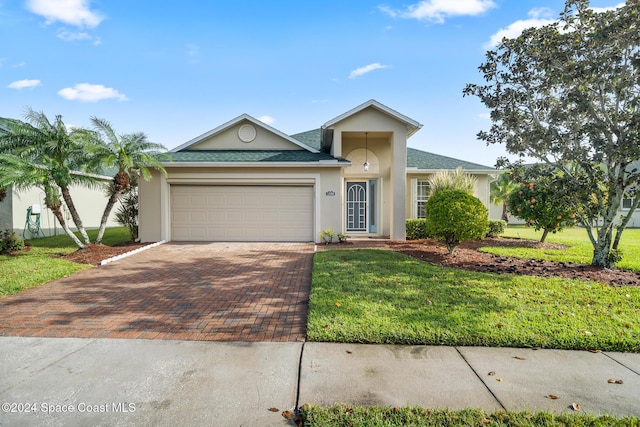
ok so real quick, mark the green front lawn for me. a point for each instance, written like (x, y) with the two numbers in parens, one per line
(356, 416)
(580, 249)
(43, 264)
(376, 296)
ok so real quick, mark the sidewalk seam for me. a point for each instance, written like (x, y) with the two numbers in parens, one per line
(481, 380)
(621, 364)
(297, 407)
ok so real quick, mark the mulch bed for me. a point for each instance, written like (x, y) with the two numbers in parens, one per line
(94, 254)
(468, 257)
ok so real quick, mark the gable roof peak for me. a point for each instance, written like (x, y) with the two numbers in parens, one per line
(412, 125)
(243, 117)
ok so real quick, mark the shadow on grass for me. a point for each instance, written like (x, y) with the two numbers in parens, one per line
(376, 296)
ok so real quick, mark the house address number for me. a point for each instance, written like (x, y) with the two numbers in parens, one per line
(330, 193)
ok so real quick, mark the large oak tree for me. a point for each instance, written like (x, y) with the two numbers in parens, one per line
(568, 95)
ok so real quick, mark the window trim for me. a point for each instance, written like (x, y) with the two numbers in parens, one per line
(415, 200)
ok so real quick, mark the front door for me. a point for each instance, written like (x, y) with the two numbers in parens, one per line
(361, 206)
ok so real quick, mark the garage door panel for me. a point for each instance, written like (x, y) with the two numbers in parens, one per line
(242, 213)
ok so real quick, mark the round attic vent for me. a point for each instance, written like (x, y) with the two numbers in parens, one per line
(247, 133)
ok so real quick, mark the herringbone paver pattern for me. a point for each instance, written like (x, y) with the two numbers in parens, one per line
(209, 291)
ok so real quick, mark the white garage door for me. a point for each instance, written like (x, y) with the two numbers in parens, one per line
(242, 213)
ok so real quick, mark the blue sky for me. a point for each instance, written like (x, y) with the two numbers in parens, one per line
(175, 70)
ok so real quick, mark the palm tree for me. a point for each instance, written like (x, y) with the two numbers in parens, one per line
(22, 174)
(130, 153)
(54, 147)
(500, 190)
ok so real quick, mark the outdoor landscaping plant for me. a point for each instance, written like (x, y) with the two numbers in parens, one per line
(54, 157)
(327, 235)
(417, 229)
(566, 95)
(496, 227)
(454, 216)
(542, 205)
(377, 296)
(375, 416)
(9, 242)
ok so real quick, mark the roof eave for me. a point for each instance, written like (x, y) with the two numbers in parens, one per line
(319, 163)
(414, 169)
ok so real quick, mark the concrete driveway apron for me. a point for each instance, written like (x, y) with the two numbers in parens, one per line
(216, 291)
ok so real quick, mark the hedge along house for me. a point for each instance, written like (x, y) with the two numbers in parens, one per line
(246, 181)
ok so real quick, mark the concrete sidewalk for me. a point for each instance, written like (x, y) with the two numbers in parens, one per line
(146, 382)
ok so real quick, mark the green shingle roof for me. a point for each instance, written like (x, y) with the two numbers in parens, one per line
(312, 138)
(247, 156)
(429, 161)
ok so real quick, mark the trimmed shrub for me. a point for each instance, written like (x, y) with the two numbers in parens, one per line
(496, 227)
(417, 229)
(454, 216)
(9, 242)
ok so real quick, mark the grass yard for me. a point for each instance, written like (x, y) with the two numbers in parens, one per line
(341, 415)
(579, 251)
(43, 264)
(377, 296)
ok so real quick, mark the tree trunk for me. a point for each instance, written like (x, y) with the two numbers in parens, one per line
(74, 214)
(58, 214)
(601, 251)
(105, 215)
(545, 233)
(505, 212)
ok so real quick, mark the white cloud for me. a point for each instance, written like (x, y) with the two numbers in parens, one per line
(537, 18)
(438, 10)
(90, 93)
(24, 84)
(606, 9)
(366, 69)
(19, 65)
(72, 12)
(267, 119)
(70, 36)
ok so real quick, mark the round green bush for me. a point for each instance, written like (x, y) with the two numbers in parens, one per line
(454, 216)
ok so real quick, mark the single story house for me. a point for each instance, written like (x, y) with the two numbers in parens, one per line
(247, 181)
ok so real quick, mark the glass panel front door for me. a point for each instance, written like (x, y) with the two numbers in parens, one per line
(356, 206)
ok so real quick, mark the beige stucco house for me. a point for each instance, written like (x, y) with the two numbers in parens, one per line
(247, 181)
(90, 203)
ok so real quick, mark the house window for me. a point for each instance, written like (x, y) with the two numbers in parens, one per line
(626, 203)
(422, 194)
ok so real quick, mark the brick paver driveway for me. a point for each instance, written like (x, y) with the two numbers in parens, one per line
(209, 291)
